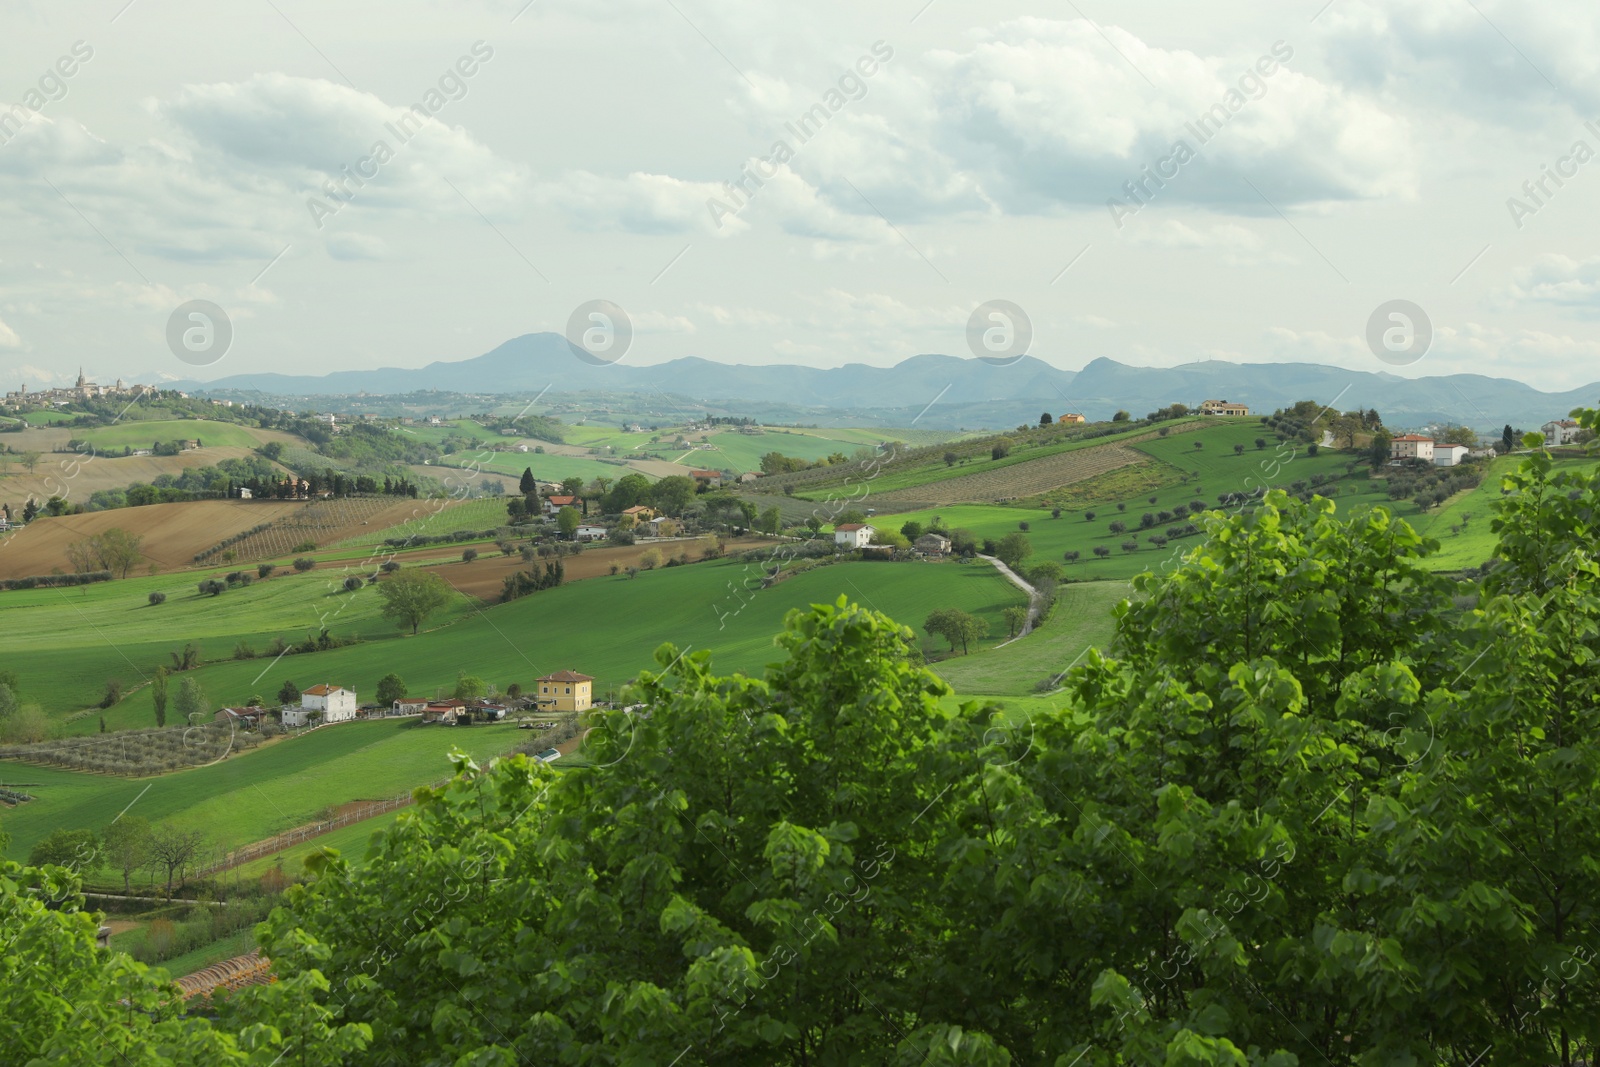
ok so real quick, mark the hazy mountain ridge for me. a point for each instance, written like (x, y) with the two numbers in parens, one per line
(953, 390)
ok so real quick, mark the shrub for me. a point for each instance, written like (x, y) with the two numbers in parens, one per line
(157, 598)
(352, 583)
(650, 559)
(305, 546)
(212, 587)
(1130, 546)
(1102, 551)
(264, 570)
(242, 650)
(304, 564)
(1088, 516)
(468, 555)
(389, 566)
(1022, 526)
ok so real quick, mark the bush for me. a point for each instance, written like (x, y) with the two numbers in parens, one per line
(157, 598)
(389, 566)
(352, 583)
(468, 555)
(304, 564)
(265, 570)
(305, 546)
(650, 559)
(212, 587)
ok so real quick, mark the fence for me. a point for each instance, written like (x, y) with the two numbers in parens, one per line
(289, 838)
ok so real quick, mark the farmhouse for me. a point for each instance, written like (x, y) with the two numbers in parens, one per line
(1448, 455)
(409, 706)
(640, 512)
(445, 711)
(553, 504)
(587, 532)
(711, 478)
(1560, 432)
(933, 545)
(1411, 446)
(337, 703)
(853, 535)
(1222, 407)
(565, 691)
(1072, 418)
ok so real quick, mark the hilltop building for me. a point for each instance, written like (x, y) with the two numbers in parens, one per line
(1222, 407)
(565, 691)
(1411, 446)
(82, 389)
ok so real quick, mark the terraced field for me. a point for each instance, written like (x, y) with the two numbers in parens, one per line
(323, 522)
(1022, 479)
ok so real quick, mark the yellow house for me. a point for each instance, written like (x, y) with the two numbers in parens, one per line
(565, 691)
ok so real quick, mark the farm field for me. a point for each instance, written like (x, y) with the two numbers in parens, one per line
(742, 452)
(65, 643)
(433, 517)
(485, 576)
(351, 841)
(76, 476)
(1021, 480)
(173, 533)
(144, 434)
(546, 467)
(250, 797)
(695, 607)
(1082, 620)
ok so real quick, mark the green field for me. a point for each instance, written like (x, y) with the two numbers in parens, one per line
(545, 467)
(484, 514)
(144, 434)
(254, 795)
(48, 418)
(65, 643)
(1082, 619)
(742, 452)
(519, 641)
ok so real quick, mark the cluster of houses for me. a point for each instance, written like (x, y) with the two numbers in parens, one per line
(1418, 447)
(562, 691)
(83, 389)
(858, 535)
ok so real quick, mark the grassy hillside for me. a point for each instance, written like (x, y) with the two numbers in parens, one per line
(606, 627)
(1082, 620)
(65, 643)
(545, 467)
(252, 796)
(144, 434)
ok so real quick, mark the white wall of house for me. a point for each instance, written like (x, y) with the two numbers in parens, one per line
(1448, 455)
(854, 538)
(337, 706)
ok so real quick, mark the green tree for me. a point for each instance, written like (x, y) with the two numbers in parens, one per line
(672, 494)
(956, 626)
(911, 530)
(75, 849)
(126, 846)
(8, 701)
(1013, 548)
(190, 702)
(527, 485)
(568, 520)
(1378, 451)
(288, 693)
(391, 687)
(1016, 617)
(572, 486)
(469, 686)
(409, 597)
(158, 694)
(771, 520)
(630, 491)
(1121, 416)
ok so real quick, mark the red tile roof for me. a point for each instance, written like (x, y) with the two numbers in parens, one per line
(562, 501)
(323, 690)
(566, 676)
(851, 527)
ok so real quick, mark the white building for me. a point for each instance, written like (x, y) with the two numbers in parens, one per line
(1411, 446)
(590, 533)
(334, 702)
(1449, 455)
(853, 535)
(1560, 432)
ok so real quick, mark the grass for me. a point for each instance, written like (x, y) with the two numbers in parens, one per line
(65, 643)
(252, 796)
(144, 434)
(351, 841)
(486, 514)
(695, 607)
(1082, 620)
(546, 467)
(743, 452)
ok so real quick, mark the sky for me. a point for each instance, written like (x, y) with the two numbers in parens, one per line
(365, 184)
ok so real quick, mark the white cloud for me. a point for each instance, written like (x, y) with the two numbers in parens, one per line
(1557, 279)
(8, 336)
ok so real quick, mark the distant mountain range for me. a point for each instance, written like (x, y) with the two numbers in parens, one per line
(952, 391)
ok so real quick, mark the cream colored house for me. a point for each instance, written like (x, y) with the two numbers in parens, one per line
(565, 691)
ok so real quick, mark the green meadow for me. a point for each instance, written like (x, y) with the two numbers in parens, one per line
(545, 467)
(144, 434)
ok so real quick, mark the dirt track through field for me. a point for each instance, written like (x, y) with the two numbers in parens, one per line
(484, 577)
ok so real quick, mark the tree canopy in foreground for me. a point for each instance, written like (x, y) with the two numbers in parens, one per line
(1314, 805)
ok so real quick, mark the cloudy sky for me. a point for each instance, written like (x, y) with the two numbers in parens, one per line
(562, 151)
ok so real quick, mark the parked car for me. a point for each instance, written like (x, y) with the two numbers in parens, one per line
(549, 755)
